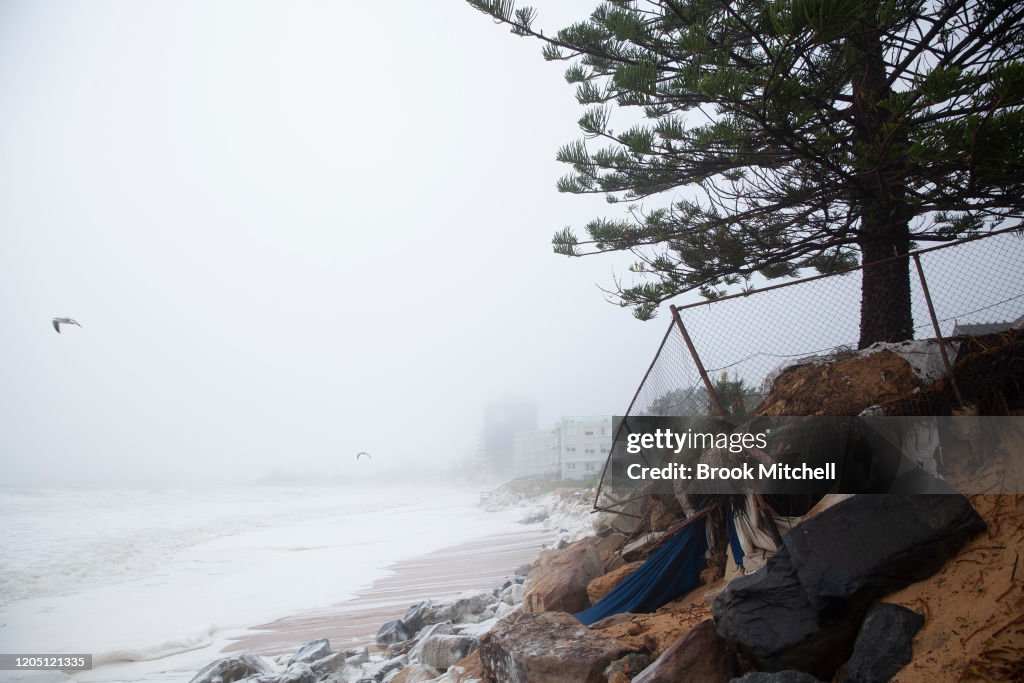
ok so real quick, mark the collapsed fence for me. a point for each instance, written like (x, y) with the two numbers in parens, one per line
(720, 357)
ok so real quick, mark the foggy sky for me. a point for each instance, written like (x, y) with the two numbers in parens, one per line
(291, 232)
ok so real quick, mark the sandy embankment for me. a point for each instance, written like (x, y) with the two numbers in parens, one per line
(974, 606)
(481, 564)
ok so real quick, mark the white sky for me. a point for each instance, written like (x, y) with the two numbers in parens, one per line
(291, 232)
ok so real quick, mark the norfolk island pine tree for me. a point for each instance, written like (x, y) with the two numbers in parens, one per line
(807, 134)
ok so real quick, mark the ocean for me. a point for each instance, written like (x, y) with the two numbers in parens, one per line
(153, 583)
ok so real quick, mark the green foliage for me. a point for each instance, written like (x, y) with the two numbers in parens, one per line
(735, 396)
(774, 136)
(679, 402)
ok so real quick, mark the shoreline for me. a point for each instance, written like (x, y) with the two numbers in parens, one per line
(479, 564)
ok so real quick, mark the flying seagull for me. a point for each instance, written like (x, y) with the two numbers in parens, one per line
(361, 453)
(57, 322)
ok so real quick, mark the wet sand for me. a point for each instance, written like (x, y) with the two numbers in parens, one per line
(485, 564)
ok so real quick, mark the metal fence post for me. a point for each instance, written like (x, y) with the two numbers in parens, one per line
(712, 394)
(938, 331)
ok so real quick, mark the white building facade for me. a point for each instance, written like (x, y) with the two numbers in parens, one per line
(584, 447)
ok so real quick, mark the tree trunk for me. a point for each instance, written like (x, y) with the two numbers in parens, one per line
(880, 197)
(885, 311)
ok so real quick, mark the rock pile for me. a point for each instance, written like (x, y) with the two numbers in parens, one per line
(567, 512)
(803, 609)
(426, 642)
(812, 613)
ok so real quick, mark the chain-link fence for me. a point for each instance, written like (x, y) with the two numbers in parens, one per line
(724, 357)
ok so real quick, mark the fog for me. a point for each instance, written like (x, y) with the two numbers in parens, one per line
(291, 232)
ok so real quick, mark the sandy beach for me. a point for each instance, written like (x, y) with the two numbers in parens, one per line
(481, 564)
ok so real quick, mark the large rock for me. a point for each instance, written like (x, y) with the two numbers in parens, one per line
(297, 673)
(878, 544)
(883, 645)
(623, 670)
(478, 629)
(394, 631)
(467, 669)
(803, 608)
(231, 669)
(470, 604)
(356, 656)
(559, 583)
(311, 651)
(549, 647)
(381, 669)
(415, 615)
(414, 673)
(343, 665)
(604, 522)
(698, 657)
(438, 612)
(445, 629)
(441, 651)
(787, 676)
(767, 612)
(608, 546)
(603, 585)
(513, 595)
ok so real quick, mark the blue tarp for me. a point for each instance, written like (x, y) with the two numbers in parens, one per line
(734, 540)
(671, 572)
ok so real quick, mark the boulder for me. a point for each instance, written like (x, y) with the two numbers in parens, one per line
(623, 670)
(356, 656)
(471, 603)
(513, 595)
(326, 666)
(415, 615)
(230, 669)
(698, 657)
(298, 673)
(612, 521)
(767, 612)
(445, 629)
(503, 610)
(439, 612)
(878, 544)
(378, 671)
(547, 647)
(883, 646)
(467, 669)
(311, 651)
(559, 583)
(802, 610)
(392, 632)
(787, 676)
(607, 546)
(441, 651)
(603, 585)
(478, 629)
(415, 673)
